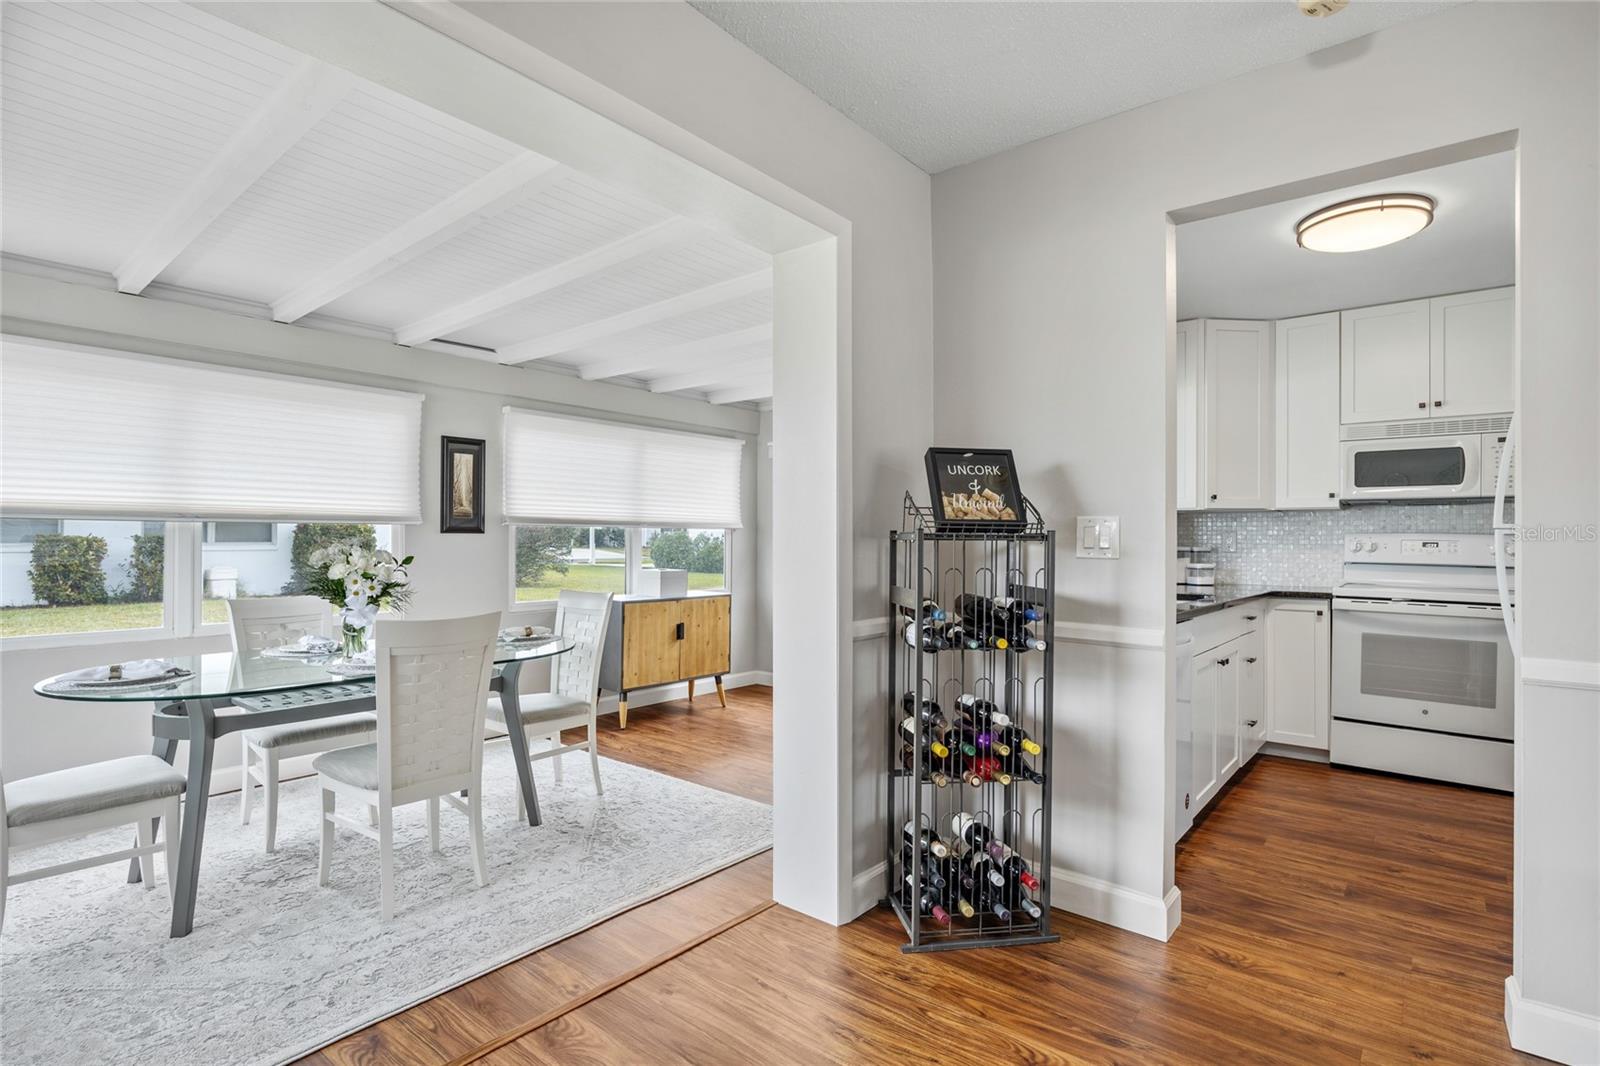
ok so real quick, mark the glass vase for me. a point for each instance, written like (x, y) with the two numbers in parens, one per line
(355, 640)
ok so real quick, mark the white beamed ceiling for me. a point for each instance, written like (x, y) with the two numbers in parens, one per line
(129, 125)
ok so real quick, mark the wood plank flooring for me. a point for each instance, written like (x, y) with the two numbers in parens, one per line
(1329, 917)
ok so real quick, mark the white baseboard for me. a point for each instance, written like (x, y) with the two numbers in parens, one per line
(1550, 1032)
(866, 890)
(1289, 751)
(1137, 912)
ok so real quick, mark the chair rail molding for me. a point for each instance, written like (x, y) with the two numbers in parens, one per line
(1562, 673)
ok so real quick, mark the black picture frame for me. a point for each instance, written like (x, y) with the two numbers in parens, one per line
(461, 489)
(988, 473)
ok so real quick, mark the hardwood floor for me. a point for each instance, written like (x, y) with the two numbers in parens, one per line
(1329, 917)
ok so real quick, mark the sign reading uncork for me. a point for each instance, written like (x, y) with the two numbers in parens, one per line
(974, 485)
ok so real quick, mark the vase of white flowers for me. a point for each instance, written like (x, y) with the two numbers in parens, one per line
(360, 583)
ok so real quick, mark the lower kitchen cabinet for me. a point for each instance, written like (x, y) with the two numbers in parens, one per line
(1298, 683)
(1227, 695)
(1252, 694)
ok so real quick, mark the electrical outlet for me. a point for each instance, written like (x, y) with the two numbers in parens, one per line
(1099, 537)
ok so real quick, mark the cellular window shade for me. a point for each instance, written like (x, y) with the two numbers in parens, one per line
(574, 471)
(102, 434)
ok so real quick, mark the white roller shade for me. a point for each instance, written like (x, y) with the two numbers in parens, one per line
(575, 471)
(103, 434)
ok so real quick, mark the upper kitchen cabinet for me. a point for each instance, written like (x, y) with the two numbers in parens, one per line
(1472, 337)
(1237, 416)
(1447, 357)
(1191, 470)
(1306, 357)
(1383, 361)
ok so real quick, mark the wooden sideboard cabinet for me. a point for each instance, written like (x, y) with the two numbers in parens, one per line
(661, 640)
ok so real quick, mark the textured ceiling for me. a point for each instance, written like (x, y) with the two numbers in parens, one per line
(945, 83)
(1247, 265)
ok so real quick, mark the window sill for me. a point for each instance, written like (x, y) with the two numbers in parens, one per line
(46, 641)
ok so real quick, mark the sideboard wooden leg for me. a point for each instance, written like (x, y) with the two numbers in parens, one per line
(722, 693)
(622, 711)
(691, 690)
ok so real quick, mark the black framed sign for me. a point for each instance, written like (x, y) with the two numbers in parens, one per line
(461, 477)
(975, 485)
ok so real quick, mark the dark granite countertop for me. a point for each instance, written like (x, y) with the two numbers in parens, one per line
(1224, 596)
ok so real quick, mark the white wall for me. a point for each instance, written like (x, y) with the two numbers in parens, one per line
(683, 68)
(1054, 309)
(454, 574)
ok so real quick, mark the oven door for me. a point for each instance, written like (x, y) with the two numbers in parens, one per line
(1422, 468)
(1442, 667)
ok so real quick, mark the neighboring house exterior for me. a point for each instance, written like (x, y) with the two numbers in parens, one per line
(258, 551)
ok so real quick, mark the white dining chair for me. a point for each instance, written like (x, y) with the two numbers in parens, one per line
(86, 799)
(574, 696)
(433, 684)
(271, 622)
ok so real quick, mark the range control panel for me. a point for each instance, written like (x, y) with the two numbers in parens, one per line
(1424, 549)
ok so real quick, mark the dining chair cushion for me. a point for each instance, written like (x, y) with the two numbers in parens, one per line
(357, 726)
(356, 767)
(542, 707)
(86, 789)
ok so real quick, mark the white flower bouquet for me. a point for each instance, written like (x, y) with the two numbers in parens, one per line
(360, 583)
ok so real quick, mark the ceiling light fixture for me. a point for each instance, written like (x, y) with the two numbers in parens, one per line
(1365, 222)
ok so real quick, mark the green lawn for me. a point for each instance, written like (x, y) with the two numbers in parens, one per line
(584, 577)
(99, 618)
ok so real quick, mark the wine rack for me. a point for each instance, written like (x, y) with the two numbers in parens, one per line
(972, 587)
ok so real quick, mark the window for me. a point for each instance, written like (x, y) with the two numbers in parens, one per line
(268, 559)
(257, 534)
(19, 532)
(81, 576)
(702, 552)
(578, 558)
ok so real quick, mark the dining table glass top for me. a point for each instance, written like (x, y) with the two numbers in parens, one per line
(223, 675)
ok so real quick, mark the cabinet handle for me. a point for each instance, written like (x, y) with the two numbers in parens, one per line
(680, 630)
(1213, 495)
(1423, 404)
(1249, 618)
(1222, 662)
(1332, 495)
(1251, 660)
(1319, 614)
(1251, 724)
(1438, 403)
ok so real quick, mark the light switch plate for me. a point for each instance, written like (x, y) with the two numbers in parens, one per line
(1099, 537)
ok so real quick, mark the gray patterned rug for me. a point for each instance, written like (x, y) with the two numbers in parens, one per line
(277, 967)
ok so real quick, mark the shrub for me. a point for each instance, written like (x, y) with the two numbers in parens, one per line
(707, 554)
(608, 537)
(672, 550)
(542, 550)
(66, 570)
(146, 568)
(309, 536)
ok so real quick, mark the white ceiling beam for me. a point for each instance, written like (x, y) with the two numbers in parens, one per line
(590, 264)
(303, 100)
(637, 318)
(754, 389)
(724, 373)
(488, 196)
(674, 356)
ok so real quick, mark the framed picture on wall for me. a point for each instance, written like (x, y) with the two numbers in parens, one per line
(975, 485)
(461, 477)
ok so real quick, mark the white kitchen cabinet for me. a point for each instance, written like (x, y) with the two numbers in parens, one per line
(1298, 648)
(1306, 411)
(1384, 357)
(1204, 779)
(1252, 682)
(1190, 471)
(1472, 341)
(1237, 419)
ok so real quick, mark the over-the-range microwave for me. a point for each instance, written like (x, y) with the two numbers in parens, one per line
(1405, 461)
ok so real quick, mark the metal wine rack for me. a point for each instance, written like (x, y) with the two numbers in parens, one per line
(930, 560)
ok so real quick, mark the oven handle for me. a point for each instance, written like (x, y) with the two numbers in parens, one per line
(1419, 609)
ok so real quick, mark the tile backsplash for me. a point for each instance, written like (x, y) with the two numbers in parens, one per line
(1306, 547)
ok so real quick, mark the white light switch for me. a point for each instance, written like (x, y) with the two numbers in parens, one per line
(1099, 537)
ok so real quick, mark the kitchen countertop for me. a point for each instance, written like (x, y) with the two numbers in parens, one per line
(1222, 597)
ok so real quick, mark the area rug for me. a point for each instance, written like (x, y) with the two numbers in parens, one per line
(277, 966)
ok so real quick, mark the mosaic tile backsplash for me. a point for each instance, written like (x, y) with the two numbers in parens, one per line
(1305, 547)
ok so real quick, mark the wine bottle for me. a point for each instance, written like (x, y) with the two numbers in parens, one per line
(983, 713)
(930, 611)
(1017, 737)
(912, 734)
(927, 636)
(982, 740)
(958, 890)
(927, 711)
(976, 835)
(925, 840)
(931, 874)
(988, 768)
(1015, 870)
(930, 765)
(1019, 900)
(993, 897)
(926, 904)
(1017, 767)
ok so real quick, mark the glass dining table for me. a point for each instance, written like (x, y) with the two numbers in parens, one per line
(225, 693)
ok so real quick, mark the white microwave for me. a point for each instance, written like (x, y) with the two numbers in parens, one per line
(1452, 466)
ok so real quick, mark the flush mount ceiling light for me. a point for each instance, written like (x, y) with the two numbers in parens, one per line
(1365, 222)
